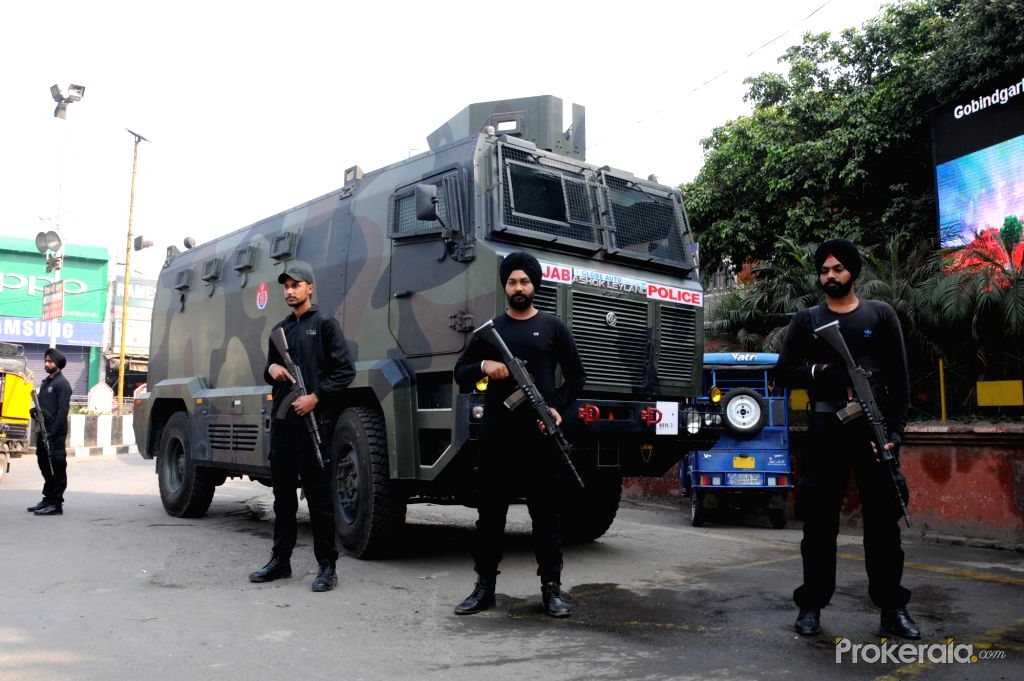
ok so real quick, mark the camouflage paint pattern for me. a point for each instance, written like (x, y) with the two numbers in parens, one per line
(405, 315)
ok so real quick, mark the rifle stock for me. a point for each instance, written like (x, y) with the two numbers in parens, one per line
(280, 342)
(528, 391)
(40, 420)
(866, 396)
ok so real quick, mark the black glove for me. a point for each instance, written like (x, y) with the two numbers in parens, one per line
(896, 439)
(34, 413)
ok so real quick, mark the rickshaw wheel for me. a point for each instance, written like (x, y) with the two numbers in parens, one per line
(696, 508)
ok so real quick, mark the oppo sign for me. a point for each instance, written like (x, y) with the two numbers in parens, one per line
(34, 285)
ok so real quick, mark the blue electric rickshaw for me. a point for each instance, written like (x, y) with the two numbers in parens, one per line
(749, 468)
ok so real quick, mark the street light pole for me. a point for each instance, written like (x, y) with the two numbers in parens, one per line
(127, 275)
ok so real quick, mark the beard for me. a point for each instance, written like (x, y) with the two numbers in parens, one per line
(50, 370)
(520, 302)
(833, 289)
(297, 302)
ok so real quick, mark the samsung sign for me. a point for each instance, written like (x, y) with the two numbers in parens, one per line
(22, 330)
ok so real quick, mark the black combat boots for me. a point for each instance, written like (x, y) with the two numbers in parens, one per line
(554, 604)
(41, 504)
(326, 577)
(275, 569)
(808, 622)
(897, 622)
(482, 597)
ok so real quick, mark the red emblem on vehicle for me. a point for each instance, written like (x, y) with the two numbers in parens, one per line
(262, 295)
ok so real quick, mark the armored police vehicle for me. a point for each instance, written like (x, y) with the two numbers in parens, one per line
(500, 176)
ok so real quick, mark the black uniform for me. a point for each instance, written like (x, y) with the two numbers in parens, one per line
(872, 332)
(516, 459)
(317, 346)
(54, 401)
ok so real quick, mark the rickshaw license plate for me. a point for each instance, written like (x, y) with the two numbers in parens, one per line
(744, 478)
(742, 462)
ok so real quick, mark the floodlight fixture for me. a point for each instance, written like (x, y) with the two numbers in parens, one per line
(75, 93)
(142, 242)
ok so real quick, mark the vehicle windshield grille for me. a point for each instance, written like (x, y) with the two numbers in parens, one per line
(578, 205)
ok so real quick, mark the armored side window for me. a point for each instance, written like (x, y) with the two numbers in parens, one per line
(245, 259)
(283, 246)
(211, 270)
(183, 280)
(403, 210)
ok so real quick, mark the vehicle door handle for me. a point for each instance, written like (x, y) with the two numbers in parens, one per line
(403, 294)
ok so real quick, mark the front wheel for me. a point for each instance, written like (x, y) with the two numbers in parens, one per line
(588, 512)
(368, 511)
(186, 490)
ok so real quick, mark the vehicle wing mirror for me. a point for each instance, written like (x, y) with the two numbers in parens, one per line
(426, 202)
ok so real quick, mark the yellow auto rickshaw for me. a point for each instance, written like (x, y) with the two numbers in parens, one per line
(15, 402)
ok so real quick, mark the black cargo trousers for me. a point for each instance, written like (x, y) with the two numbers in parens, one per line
(517, 462)
(56, 483)
(291, 460)
(832, 450)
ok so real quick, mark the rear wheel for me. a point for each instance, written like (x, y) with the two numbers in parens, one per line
(186, 490)
(696, 508)
(588, 512)
(368, 511)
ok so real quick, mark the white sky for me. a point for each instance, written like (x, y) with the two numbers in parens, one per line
(255, 107)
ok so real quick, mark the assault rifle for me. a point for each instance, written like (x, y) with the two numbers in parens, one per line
(528, 391)
(866, 397)
(277, 337)
(40, 419)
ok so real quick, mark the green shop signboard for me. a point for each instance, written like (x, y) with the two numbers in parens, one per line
(23, 275)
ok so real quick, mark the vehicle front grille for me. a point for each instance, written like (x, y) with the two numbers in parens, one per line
(239, 437)
(611, 334)
(676, 350)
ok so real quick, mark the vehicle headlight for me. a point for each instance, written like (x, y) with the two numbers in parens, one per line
(708, 419)
(692, 422)
(478, 412)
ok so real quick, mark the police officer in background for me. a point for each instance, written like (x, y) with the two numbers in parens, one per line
(516, 459)
(54, 400)
(317, 346)
(872, 331)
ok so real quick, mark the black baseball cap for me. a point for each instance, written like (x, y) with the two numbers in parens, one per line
(296, 273)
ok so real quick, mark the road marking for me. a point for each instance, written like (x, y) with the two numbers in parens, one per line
(951, 571)
(1000, 638)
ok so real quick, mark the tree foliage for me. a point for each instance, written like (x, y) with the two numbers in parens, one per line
(840, 144)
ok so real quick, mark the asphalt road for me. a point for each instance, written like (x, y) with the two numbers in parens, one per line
(115, 589)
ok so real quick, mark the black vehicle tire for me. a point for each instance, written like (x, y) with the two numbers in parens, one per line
(587, 513)
(745, 411)
(696, 508)
(778, 517)
(369, 513)
(186, 489)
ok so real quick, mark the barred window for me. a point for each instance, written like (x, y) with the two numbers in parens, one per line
(404, 221)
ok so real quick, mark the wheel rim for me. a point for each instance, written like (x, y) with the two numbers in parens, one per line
(347, 487)
(743, 412)
(174, 464)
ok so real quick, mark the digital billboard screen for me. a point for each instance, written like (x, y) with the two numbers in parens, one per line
(978, 147)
